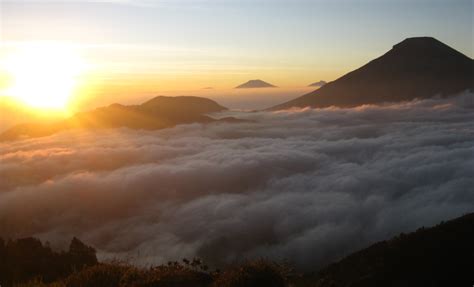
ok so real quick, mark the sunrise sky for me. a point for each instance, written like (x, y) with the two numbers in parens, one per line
(130, 49)
(275, 182)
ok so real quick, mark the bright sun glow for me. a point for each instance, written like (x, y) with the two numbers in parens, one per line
(43, 75)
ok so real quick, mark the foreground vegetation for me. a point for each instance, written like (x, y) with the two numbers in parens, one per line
(27, 262)
(439, 256)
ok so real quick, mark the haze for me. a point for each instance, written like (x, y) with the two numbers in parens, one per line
(137, 49)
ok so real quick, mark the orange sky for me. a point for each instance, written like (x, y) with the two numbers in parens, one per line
(135, 49)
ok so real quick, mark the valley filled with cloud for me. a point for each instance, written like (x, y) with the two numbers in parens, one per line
(303, 185)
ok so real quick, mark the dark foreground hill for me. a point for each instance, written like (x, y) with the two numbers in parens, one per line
(438, 256)
(157, 113)
(415, 68)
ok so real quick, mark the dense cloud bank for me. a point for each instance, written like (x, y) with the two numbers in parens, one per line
(303, 185)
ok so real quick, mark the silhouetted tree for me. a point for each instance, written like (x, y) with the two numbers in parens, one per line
(81, 255)
(25, 259)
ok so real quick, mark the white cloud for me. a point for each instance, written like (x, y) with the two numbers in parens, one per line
(303, 185)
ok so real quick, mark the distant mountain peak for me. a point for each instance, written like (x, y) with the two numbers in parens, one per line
(417, 41)
(255, 84)
(416, 68)
(157, 113)
(417, 48)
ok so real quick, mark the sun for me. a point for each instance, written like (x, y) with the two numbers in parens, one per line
(43, 75)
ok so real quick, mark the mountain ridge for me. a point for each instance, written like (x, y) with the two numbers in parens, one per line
(420, 67)
(157, 113)
(425, 257)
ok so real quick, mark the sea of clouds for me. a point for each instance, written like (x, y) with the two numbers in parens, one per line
(304, 185)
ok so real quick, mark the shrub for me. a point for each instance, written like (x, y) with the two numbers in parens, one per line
(258, 273)
(121, 275)
(40, 283)
(100, 275)
(165, 276)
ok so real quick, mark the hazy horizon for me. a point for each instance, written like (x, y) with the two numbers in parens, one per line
(130, 50)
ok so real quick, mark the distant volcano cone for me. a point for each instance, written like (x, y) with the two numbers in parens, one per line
(415, 68)
(255, 84)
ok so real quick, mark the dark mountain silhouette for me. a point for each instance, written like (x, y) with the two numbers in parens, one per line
(318, 84)
(415, 68)
(157, 113)
(437, 256)
(255, 84)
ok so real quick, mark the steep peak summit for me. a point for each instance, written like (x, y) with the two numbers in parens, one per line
(425, 47)
(417, 42)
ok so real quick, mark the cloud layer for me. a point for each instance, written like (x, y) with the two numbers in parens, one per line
(307, 186)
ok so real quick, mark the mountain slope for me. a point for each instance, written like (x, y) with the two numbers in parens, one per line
(415, 68)
(255, 84)
(438, 256)
(159, 112)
